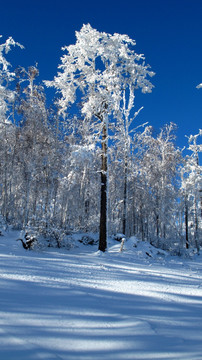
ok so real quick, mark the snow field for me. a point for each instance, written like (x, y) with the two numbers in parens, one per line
(83, 304)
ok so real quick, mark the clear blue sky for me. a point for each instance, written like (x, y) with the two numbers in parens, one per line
(167, 32)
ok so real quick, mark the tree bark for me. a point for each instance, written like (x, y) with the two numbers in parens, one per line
(186, 223)
(103, 200)
(125, 194)
(196, 225)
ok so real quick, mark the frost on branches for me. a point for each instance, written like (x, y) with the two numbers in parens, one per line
(192, 190)
(7, 97)
(83, 165)
(98, 69)
(5, 77)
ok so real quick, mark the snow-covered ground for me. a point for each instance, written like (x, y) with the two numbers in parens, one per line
(82, 304)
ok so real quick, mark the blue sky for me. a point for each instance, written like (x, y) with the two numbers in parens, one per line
(167, 32)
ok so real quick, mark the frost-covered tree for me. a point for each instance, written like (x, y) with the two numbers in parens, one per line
(192, 191)
(124, 137)
(36, 160)
(6, 77)
(159, 174)
(125, 165)
(7, 130)
(96, 70)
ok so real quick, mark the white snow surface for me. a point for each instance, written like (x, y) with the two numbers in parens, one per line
(84, 304)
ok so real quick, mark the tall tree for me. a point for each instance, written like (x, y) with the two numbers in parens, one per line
(160, 163)
(96, 70)
(7, 96)
(36, 151)
(125, 133)
(192, 189)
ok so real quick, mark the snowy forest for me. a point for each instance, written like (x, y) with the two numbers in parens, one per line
(81, 164)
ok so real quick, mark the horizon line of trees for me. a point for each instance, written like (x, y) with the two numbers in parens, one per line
(82, 165)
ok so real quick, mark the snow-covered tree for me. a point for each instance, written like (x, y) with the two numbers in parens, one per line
(97, 69)
(158, 173)
(7, 130)
(35, 159)
(192, 190)
(6, 77)
(124, 136)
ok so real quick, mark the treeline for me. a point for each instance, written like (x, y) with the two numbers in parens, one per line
(51, 164)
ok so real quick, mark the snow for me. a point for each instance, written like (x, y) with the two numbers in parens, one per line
(140, 303)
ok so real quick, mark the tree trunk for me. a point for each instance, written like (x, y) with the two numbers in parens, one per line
(186, 223)
(157, 226)
(196, 225)
(125, 194)
(103, 200)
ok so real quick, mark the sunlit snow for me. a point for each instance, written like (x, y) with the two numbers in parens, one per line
(82, 304)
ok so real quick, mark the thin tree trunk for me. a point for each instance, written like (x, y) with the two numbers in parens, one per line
(157, 226)
(125, 194)
(103, 202)
(196, 225)
(201, 202)
(186, 223)
(27, 196)
(5, 207)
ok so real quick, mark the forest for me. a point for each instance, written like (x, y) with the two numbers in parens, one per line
(82, 164)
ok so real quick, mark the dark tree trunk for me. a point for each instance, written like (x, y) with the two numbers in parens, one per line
(196, 226)
(186, 224)
(157, 218)
(157, 226)
(201, 202)
(125, 195)
(103, 202)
